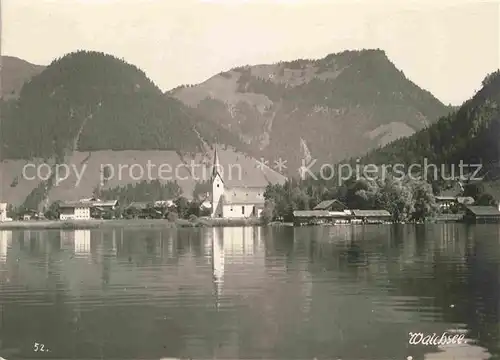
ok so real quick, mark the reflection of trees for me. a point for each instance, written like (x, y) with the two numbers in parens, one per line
(481, 305)
(450, 273)
(459, 283)
(442, 274)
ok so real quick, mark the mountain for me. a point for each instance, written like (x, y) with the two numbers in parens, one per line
(14, 73)
(89, 101)
(88, 109)
(329, 109)
(468, 135)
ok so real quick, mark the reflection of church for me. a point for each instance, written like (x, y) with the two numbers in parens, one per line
(238, 259)
(5, 242)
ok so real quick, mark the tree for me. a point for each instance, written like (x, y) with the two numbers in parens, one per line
(473, 190)
(11, 211)
(288, 216)
(490, 78)
(132, 212)
(486, 199)
(205, 211)
(201, 188)
(53, 211)
(360, 194)
(267, 214)
(425, 202)
(172, 216)
(118, 213)
(193, 208)
(396, 197)
(182, 205)
(106, 173)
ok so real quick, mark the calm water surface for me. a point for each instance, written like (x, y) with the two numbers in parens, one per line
(343, 292)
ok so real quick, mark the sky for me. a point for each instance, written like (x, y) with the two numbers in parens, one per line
(446, 48)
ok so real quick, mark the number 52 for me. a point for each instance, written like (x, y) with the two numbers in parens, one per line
(38, 347)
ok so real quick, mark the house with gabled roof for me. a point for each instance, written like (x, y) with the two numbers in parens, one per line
(74, 210)
(331, 205)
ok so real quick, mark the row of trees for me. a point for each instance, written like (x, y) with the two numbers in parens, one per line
(143, 191)
(407, 199)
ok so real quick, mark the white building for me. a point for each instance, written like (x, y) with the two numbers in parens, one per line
(234, 202)
(74, 210)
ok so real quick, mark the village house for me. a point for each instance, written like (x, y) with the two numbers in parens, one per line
(449, 204)
(74, 210)
(445, 202)
(103, 205)
(331, 205)
(235, 201)
(85, 209)
(144, 210)
(102, 209)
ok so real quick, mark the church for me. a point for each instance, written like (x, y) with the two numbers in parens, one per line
(234, 201)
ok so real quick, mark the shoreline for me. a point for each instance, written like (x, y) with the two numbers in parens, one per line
(97, 223)
(151, 223)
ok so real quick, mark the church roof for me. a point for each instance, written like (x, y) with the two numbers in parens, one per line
(244, 195)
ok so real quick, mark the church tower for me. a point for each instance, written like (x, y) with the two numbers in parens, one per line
(217, 188)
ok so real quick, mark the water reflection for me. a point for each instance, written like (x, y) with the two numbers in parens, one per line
(348, 292)
(218, 263)
(5, 243)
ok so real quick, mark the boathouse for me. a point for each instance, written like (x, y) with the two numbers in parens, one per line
(372, 216)
(310, 217)
(482, 214)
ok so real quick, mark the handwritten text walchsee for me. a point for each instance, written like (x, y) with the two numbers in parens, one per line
(434, 339)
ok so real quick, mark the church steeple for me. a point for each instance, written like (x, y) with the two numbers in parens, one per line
(217, 188)
(216, 165)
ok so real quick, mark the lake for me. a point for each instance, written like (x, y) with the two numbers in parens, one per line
(341, 292)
